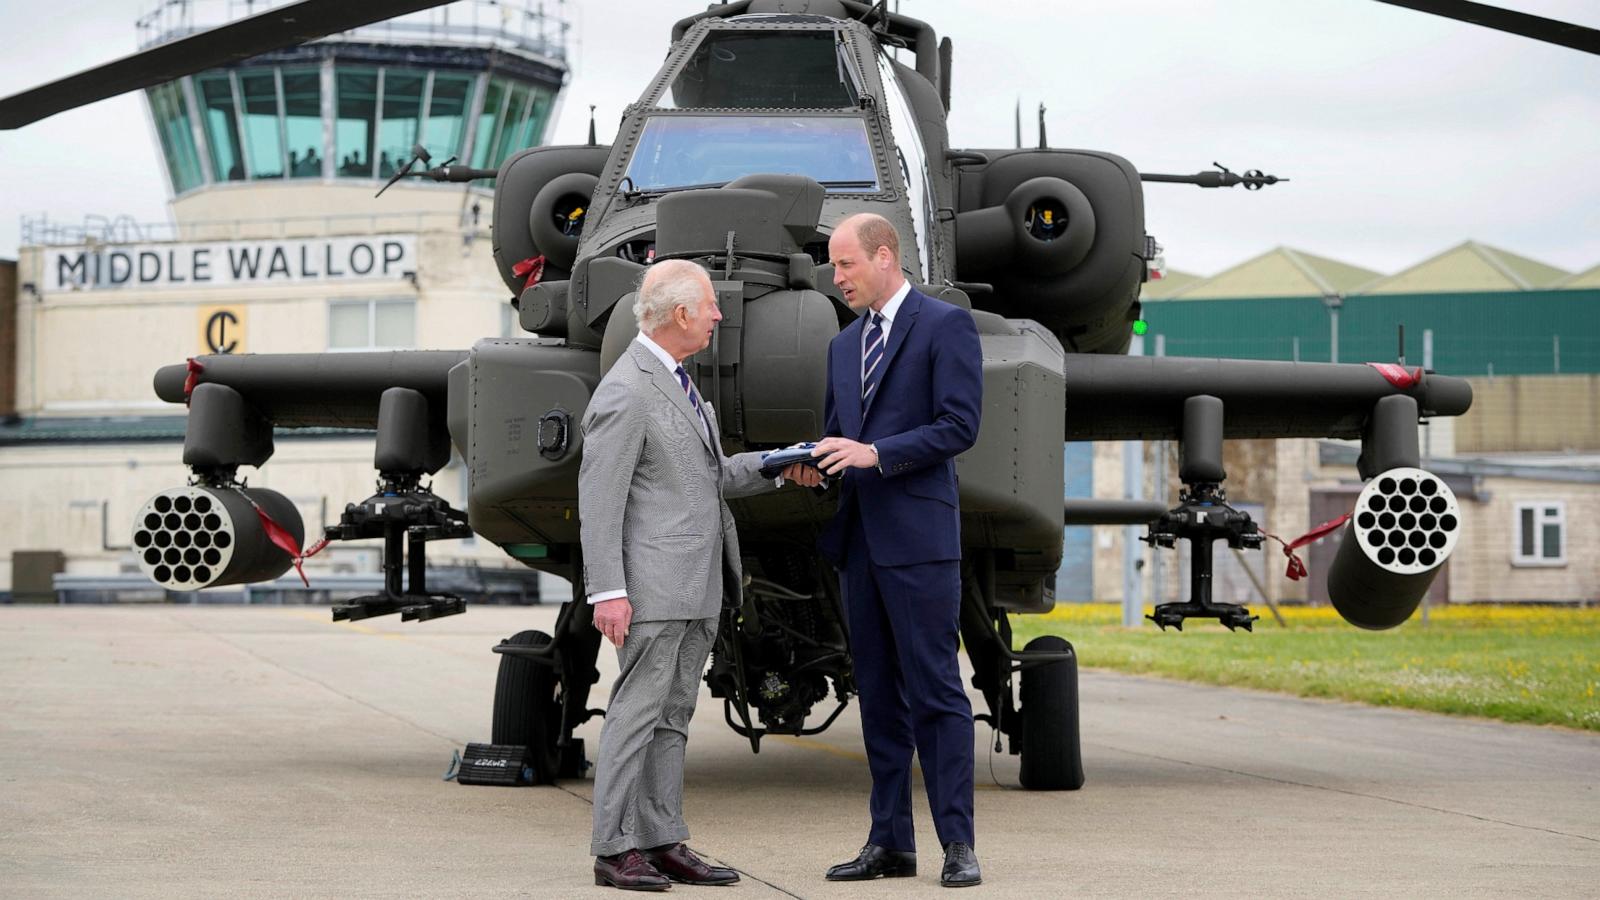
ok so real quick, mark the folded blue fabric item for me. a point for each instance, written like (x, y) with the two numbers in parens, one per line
(773, 462)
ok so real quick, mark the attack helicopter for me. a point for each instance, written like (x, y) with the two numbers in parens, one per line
(768, 122)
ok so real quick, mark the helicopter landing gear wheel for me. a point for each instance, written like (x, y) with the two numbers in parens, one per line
(527, 708)
(1052, 759)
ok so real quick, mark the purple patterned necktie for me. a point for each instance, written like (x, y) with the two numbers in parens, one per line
(872, 360)
(694, 398)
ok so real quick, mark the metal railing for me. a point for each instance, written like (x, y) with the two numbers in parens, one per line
(41, 231)
(523, 25)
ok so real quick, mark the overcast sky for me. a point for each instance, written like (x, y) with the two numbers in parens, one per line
(1404, 134)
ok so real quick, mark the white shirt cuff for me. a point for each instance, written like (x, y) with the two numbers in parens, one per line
(606, 595)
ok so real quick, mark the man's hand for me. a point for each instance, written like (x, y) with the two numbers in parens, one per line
(803, 475)
(840, 453)
(613, 617)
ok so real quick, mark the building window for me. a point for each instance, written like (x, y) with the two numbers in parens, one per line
(259, 92)
(511, 123)
(494, 104)
(355, 128)
(302, 126)
(222, 126)
(1541, 531)
(538, 115)
(372, 324)
(402, 109)
(171, 115)
(447, 115)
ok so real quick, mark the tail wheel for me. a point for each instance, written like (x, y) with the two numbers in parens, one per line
(527, 707)
(1052, 758)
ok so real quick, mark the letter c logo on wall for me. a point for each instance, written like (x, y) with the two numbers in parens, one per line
(222, 329)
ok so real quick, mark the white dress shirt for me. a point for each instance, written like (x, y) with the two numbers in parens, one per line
(889, 311)
(655, 349)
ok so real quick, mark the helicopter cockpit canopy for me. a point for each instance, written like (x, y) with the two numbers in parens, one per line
(678, 151)
(743, 69)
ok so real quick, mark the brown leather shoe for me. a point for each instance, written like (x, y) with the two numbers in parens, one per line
(629, 871)
(678, 862)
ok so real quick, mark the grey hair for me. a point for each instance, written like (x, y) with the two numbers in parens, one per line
(667, 285)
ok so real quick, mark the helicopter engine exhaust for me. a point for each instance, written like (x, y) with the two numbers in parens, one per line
(1405, 525)
(194, 537)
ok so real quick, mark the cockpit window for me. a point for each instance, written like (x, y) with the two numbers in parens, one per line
(764, 70)
(698, 151)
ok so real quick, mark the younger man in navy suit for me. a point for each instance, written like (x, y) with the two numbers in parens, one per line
(905, 387)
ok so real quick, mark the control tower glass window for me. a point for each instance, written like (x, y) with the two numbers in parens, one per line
(682, 151)
(222, 126)
(494, 104)
(171, 114)
(538, 116)
(354, 129)
(511, 124)
(402, 112)
(447, 115)
(755, 70)
(262, 137)
(302, 111)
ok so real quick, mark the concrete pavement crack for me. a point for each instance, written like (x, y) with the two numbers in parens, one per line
(1361, 794)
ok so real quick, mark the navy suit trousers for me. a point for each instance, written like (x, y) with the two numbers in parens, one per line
(904, 639)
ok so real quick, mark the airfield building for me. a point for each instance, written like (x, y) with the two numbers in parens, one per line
(275, 245)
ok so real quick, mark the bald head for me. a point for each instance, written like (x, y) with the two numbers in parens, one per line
(865, 252)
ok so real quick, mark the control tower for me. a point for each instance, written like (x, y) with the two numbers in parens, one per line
(316, 128)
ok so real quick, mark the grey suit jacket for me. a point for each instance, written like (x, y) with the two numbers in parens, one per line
(650, 488)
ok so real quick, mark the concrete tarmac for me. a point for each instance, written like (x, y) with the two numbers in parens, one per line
(170, 751)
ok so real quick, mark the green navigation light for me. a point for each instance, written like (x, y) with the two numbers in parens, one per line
(1140, 326)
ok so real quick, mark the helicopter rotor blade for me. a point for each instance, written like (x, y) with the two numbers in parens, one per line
(1552, 31)
(284, 26)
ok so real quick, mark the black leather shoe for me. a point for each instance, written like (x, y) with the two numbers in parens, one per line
(678, 862)
(960, 866)
(629, 871)
(876, 862)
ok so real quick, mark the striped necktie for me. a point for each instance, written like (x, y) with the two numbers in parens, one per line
(694, 398)
(872, 360)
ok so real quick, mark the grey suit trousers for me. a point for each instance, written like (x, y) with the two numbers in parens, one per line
(638, 782)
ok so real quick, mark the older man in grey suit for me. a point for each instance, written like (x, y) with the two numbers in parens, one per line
(657, 537)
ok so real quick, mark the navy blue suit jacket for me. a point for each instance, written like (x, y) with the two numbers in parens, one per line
(924, 413)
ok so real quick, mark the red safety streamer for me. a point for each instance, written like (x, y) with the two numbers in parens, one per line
(281, 537)
(285, 541)
(193, 378)
(532, 267)
(1398, 375)
(1296, 569)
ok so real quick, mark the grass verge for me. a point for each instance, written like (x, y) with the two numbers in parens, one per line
(1514, 663)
